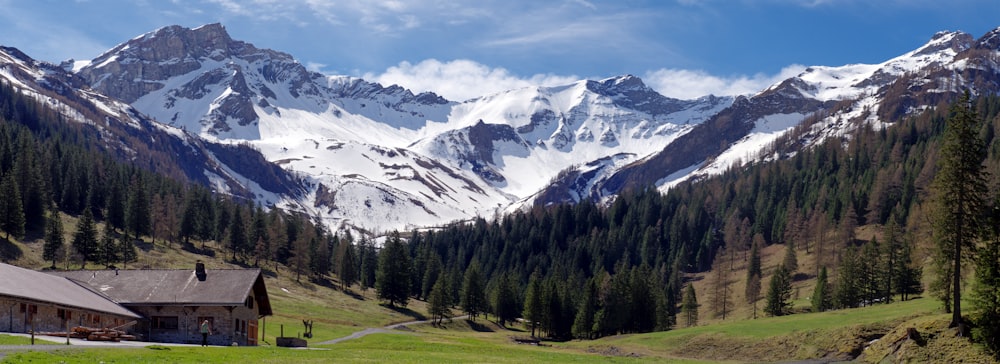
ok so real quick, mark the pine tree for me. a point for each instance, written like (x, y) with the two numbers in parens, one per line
(348, 265)
(689, 307)
(137, 212)
(533, 303)
(779, 293)
(847, 292)
(822, 298)
(126, 250)
(11, 211)
(986, 290)
(505, 304)
(392, 279)
(107, 248)
(54, 241)
(473, 300)
(85, 237)
(583, 324)
(960, 190)
(438, 302)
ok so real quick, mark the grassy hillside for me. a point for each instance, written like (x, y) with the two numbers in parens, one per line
(841, 334)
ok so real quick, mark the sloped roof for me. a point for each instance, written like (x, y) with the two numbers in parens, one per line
(38, 286)
(153, 287)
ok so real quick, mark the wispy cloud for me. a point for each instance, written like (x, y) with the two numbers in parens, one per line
(461, 80)
(689, 84)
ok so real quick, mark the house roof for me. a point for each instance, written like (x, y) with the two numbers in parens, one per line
(161, 287)
(38, 286)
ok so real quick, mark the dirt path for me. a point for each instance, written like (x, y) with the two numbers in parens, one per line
(394, 328)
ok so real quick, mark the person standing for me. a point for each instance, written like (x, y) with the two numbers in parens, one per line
(206, 327)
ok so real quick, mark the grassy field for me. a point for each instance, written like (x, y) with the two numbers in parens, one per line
(18, 340)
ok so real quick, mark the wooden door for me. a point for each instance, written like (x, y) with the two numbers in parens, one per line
(252, 333)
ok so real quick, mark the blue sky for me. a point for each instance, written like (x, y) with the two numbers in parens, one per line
(461, 49)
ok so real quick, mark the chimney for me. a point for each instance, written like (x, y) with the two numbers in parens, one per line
(199, 271)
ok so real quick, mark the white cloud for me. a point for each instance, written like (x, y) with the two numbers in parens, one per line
(690, 84)
(461, 79)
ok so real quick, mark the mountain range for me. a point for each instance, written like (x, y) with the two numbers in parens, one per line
(256, 124)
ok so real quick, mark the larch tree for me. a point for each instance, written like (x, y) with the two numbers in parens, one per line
(960, 195)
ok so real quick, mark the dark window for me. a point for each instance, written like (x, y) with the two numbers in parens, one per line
(249, 302)
(64, 314)
(164, 322)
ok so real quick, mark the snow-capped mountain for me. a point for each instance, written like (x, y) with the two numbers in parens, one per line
(128, 134)
(379, 158)
(833, 100)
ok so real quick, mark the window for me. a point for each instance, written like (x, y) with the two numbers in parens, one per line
(64, 314)
(249, 303)
(164, 322)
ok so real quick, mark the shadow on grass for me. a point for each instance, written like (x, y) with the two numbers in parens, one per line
(406, 311)
(478, 327)
(9, 250)
(353, 294)
(191, 248)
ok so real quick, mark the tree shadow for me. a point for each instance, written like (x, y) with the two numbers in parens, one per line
(144, 245)
(191, 248)
(10, 251)
(478, 327)
(800, 277)
(353, 294)
(406, 311)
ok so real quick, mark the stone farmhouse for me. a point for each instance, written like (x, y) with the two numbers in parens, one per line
(156, 305)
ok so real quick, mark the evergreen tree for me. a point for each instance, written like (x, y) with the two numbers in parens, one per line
(986, 291)
(533, 303)
(960, 190)
(779, 293)
(54, 242)
(847, 294)
(438, 303)
(822, 297)
(505, 304)
(237, 234)
(689, 307)
(392, 279)
(137, 214)
(369, 264)
(126, 250)
(583, 324)
(11, 211)
(348, 267)
(473, 300)
(107, 248)
(85, 238)
(432, 271)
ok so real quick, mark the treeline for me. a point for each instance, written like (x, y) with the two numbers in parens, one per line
(586, 271)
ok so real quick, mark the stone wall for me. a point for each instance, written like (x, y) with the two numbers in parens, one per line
(20, 316)
(229, 324)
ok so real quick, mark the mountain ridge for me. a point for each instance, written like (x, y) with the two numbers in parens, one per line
(399, 160)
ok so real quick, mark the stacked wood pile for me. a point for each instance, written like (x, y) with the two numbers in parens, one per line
(94, 334)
